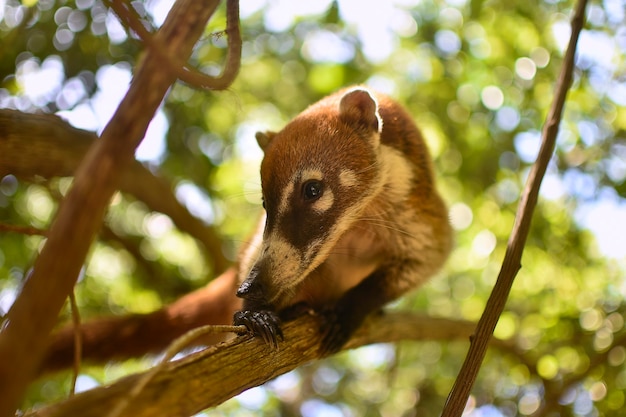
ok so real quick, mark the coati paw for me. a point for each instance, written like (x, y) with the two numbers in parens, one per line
(264, 324)
(293, 312)
(335, 332)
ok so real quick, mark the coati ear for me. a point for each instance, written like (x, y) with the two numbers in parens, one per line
(264, 138)
(359, 109)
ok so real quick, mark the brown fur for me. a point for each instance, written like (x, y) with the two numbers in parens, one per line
(378, 230)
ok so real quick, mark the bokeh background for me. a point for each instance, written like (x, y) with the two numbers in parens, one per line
(477, 75)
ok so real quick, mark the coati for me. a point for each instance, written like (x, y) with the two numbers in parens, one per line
(353, 219)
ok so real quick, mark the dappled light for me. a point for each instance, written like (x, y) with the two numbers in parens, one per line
(478, 78)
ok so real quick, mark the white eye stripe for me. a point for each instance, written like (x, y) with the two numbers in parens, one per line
(284, 199)
(347, 178)
(311, 174)
(302, 176)
(324, 202)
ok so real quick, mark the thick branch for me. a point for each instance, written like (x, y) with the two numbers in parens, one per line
(512, 259)
(208, 378)
(34, 312)
(44, 145)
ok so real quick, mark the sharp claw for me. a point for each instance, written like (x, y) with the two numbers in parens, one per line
(267, 335)
(335, 334)
(263, 324)
(272, 337)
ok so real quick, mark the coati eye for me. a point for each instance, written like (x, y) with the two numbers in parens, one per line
(312, 190)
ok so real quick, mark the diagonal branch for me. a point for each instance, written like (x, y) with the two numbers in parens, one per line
(512, 259)
(208, 378)
(34, 312)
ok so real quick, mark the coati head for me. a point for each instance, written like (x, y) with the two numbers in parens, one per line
(317, 175)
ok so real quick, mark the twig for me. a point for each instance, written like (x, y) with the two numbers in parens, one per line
(233, 58)
(174, 348)
(129, 17)
(77, 341)
(24, 230)
(459, 394)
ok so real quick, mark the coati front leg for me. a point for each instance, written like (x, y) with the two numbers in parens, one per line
(379, 288)
(343, 318)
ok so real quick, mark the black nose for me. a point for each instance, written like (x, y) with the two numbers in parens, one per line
(251, 288)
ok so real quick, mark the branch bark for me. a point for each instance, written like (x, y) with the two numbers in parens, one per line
(210, 377)
(33, 314)
(459, 394)
(43, 145)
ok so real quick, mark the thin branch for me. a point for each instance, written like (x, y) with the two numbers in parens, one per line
(33, 314)
(23, 230)
(512, 260)
(233, 58)
(130, 18)
(172, 350)
(192, 76)
(77, 341)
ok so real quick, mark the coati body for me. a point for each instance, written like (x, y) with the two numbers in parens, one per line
(353, 219)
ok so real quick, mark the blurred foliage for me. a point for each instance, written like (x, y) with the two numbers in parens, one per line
(477, 75)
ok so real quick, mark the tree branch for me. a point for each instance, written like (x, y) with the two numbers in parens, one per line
(210, 377)
(512, 259)
(23, 230)
(233, 58)
(45, 145)
(129, 18)
(34, 312)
